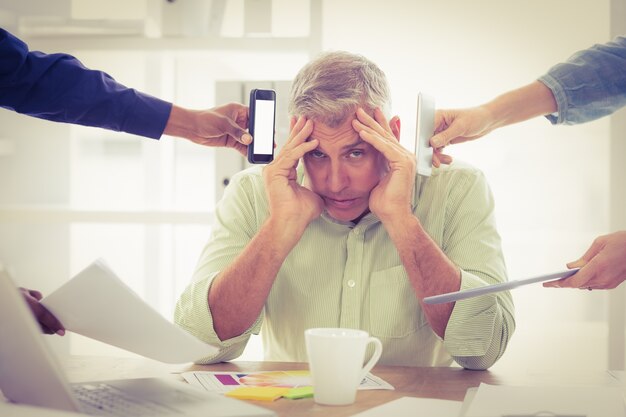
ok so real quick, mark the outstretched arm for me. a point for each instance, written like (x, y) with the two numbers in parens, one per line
(59, 88)
(461, 125)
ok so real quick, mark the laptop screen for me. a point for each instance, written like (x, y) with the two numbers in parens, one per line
(29, 372)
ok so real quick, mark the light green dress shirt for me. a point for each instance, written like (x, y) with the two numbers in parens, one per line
(346, 275)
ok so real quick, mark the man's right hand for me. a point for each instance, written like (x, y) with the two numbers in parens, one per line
(49, 324)
(238, 294)
(291, 204)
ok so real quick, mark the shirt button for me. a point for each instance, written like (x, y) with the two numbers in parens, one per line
(351, 283)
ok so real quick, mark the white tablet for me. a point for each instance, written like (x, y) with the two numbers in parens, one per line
(503, 286)
(424, 130)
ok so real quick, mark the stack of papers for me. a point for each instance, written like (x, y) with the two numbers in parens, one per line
(579, 401)
(223, 382)
(509, 401)
(267, 385)
(414, 407)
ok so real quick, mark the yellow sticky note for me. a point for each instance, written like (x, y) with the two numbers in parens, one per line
(258, 393)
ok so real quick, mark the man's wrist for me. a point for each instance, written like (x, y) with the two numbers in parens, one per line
(282, 235)
(399, 223)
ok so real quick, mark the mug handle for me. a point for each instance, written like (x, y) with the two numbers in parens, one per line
(378, 350)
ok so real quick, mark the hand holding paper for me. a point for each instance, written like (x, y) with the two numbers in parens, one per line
(117, 316)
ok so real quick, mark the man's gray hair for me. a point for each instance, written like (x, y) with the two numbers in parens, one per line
(332, 86)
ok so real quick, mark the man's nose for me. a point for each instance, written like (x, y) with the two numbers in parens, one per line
(337, 178)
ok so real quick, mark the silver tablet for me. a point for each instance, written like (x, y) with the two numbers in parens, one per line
(503, 286)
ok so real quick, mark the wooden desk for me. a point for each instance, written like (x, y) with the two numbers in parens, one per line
(442, 383)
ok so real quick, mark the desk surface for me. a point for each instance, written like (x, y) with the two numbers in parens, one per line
(442, 383)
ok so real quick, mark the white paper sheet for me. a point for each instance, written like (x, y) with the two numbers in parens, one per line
(578, 401)
(97, 304)
(414, 407)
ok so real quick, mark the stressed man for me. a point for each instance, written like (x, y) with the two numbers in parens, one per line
(340, 231)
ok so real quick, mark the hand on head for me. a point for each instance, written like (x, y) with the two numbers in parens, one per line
(603, 266)
(289, 201)
(393, 194)
(48, 322)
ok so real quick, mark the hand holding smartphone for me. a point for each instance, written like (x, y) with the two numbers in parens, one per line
(261, 126)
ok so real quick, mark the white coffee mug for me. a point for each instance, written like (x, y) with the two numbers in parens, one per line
(336, 362)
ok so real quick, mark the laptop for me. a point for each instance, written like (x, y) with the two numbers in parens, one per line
(31, 374)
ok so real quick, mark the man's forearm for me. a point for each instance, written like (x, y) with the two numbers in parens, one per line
(532, 100)
(429, 270)
(238, 294)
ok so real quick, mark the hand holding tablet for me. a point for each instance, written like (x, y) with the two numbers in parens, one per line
(503, 286)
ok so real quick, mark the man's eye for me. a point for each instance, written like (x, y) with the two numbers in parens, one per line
(317, 154)
(356, 154)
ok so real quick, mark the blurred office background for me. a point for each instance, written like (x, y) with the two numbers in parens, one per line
(70, 194)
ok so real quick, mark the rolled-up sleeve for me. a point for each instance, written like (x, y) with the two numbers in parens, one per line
(234, 226)
(590, 84)
(59, 88)
(479, 328)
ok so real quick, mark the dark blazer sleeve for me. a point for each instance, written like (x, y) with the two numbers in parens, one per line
(58, 87)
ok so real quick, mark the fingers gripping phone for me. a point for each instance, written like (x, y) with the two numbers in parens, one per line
(261, 126)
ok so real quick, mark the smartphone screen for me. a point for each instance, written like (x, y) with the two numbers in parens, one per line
(262, 116)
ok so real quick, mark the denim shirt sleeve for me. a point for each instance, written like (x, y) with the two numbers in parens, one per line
(58, 87)
(590, 84)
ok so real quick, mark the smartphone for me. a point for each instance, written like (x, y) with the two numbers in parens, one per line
(423, 132)
(261, 126)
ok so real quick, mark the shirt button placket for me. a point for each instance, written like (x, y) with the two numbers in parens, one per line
(351, 300)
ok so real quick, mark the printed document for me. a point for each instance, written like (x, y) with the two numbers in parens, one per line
(97, 304)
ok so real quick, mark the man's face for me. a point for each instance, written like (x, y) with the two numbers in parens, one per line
(343, 170)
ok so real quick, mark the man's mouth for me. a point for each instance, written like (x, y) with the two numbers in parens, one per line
(341, 203)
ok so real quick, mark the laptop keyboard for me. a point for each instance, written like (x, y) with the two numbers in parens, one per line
(105, 400)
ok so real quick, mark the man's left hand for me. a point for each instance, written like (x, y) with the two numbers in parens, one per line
(391, 198)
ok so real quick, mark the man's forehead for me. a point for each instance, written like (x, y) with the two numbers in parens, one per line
(341, 135)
